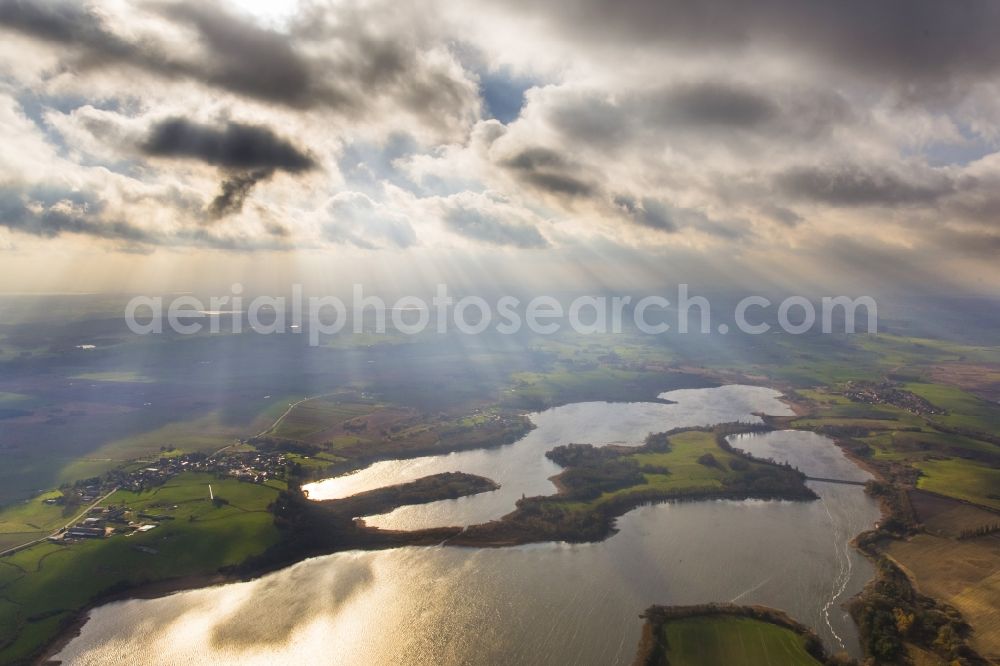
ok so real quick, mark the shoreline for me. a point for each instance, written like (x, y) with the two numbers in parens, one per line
(154, 590)
(385, 539)
(168, 587)
(356, 464)
(896, 511)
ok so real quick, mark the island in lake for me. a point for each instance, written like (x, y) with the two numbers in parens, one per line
(656, 493)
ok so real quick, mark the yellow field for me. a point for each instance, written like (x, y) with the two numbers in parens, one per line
(964, 574)
(943, 516)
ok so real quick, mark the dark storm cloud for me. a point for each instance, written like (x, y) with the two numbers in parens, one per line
(52, 211)
(233, 193)
(533, 159)
(248, 59)
(716, 111)
(980, 205)
(647, 213)
(785, 216)
(244, 57)
(49, 212)
(67, 23)
(85, 41)
(557, 183)
(233, 146)
(655, 214)
(592, 120)
(850, 185)
(549, 171)
(265, 64)
(716, 103)
(252, 60)
(251, 154)
(381, 50)
(978, 243)
(488, 228)
(917, 40)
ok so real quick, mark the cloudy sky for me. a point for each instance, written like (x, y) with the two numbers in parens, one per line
(805, 142)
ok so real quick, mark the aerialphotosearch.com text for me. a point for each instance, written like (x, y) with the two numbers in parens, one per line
(320, 316)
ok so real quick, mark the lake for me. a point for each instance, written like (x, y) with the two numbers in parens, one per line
(538, 604)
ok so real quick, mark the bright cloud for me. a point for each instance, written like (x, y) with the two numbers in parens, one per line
(803, 134)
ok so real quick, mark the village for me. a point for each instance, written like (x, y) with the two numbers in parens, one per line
(885, 393)
(97, 522)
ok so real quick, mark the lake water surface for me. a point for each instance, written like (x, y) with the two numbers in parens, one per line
(538, 604)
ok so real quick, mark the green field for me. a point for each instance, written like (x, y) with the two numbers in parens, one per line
(932, 442)
(964, 410)
(207, 392)
(572, 383)
(315, 416)
(207, 433)
(9, 399)
(44, 585)
(685, 472)
(733, 641)
(963, 466)
(682, 461)
(961, 479)
(684, 475)
(836, 409)
(30, 519)
(126, 377)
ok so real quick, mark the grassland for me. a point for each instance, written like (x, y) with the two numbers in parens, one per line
(675, 472)
(954, 455)
(600, 484)
(7, 398)
(45, 586)
(399, 400)
(323, 420)
(446, 485)
(572, 383)
(961, 479)
(337, 433)
(98, 429)
(735, 641)
(979, 379)
(685, 471)
(958, 463)
(716, 634)
(125, 376)
(30, 519)
(809, 361)
(206, 434)
(206, 389)
(964, 409)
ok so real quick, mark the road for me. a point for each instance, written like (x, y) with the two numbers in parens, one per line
(14, 549)
(263, 432)
(846, 482)
(288, 411)
(276, 423)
